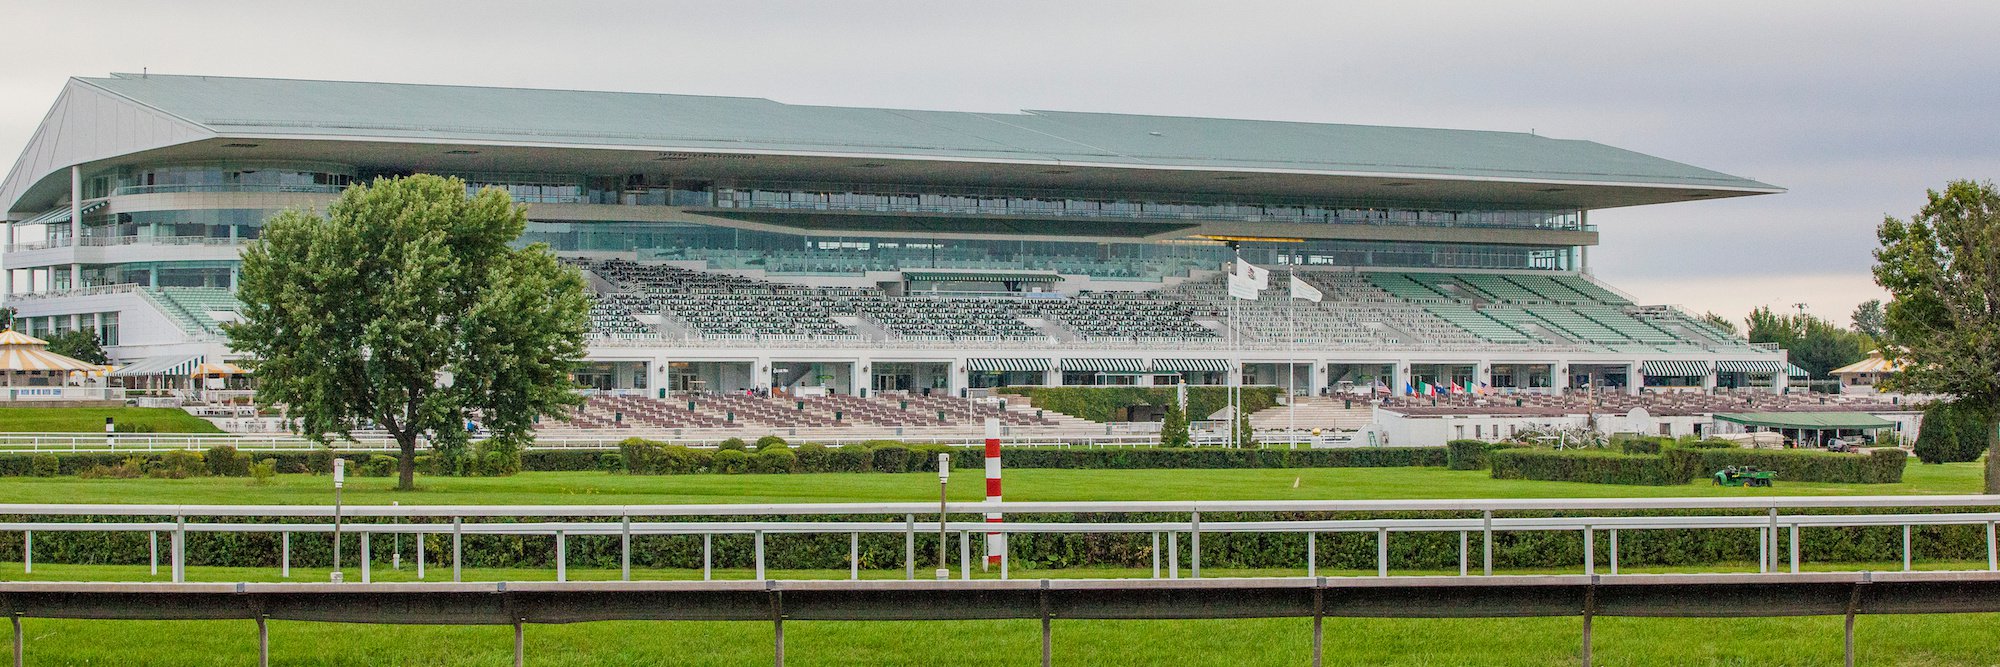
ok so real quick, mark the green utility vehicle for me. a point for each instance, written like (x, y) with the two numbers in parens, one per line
(1743, 476)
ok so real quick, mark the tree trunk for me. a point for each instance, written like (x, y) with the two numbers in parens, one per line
(1992, 450)
(406, 464)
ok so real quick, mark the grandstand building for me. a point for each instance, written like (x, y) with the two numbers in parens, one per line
(741, 243)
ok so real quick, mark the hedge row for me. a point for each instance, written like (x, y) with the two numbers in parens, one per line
(878, 456)
(646, 457)
(1030, 551)
(1678, 465)
(1099, 403)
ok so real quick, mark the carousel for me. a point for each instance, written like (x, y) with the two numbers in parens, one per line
(35, 374)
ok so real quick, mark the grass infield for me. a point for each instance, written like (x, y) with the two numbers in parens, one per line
(91, 420)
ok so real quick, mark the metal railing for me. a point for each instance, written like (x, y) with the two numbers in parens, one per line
(365, 442)
(1476, 530)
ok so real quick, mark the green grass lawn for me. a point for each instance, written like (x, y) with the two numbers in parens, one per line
(545, 488)
(1916, 641)
(91, 420)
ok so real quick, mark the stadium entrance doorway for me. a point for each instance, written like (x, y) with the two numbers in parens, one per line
(914, 376)
(1531, 378)
(1453, 378)
(1361, 378)
(1276, 375)
(731, 377)
(830, 376)
(1601, 377)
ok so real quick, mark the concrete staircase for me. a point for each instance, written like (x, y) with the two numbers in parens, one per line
(1315, 412)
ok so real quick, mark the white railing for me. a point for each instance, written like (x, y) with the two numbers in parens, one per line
(280, 442)
(1478, 518)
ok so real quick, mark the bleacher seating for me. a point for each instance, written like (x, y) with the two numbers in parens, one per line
(193, 308)
(1361, 310)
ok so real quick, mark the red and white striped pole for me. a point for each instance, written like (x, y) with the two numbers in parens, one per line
(996, 543)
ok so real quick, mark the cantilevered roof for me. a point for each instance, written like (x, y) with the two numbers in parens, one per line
(689, 127)
(1807, 420)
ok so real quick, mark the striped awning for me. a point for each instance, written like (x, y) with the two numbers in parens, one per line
(1192, 365)
(1749, 367)
(61, 215)
(169, 365)
(27, 358)
(1103, 365)
(1006, 365)
(1673, 368)
(1793, 370)
(983, 276)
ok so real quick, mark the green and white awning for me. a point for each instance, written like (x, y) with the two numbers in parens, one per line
(1192, 365)
(983, 276)
(1103, 365)
(169, 365)
(61, 215)
(1674, 369)
(1807, 420)
(1006, 365)
(1749, 367)
(1793, 370)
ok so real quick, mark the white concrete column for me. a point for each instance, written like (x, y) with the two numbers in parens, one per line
(1316, 377)
(656, 375)
(1780, 381)
(1632, 379)
(959, 378)
(1482, 373)
(760, 373)
(1053, 378)
(75, 225)
(861, 377)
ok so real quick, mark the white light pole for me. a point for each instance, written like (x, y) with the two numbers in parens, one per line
(944, 481)
(339, 480)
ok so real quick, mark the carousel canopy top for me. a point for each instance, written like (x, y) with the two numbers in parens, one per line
(20, 352)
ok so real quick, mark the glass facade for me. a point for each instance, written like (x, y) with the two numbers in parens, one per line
(731, 248)
(234, 176)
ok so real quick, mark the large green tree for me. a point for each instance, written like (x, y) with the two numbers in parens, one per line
(1942, 270)
(1868, 318)
(79, 345)
(406, 307)
(1815, 344)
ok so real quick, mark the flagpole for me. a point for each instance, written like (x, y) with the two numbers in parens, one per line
(1291, 360)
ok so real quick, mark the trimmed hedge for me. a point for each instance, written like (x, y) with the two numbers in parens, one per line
(1587, 465)
(1471, 454)
(1679, 465)
(651, 458)
(1879, 466)
(1098, 403)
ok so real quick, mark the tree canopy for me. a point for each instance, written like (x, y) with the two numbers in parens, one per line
(1722, 323)
(1942, 270)
(1816, 345)
(404, 307)
(1868, 319)
(79, 345)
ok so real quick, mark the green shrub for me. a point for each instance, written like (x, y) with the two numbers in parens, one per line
(1710, 443)
(1881, 466)
(642, 457)
(851, 458)
(770, 441)
(177, 464)
(131, 467)
(263, 472)
(774, 460)
(732, 461)
(1643, 445)
(47, 465)
(498, 457)
(1591, 466)
(611, 462)
(320, 460)
(379, 465)
(813, 457)
(891, 457)
(128, 427)
(1174, 427)
(225, 461)
(1470, 454)
(733, 443)
(1953, 432)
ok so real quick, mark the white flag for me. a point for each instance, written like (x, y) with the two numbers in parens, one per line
(1259, 276)
(1301, 290)
(1242, 287)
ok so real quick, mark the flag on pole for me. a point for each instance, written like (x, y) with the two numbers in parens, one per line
(1242, 288)
(1258, 275)
(1301, 290)
(1456, 389)
(1409, 390)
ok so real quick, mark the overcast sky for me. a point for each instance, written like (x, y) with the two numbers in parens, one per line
(1857, 108)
